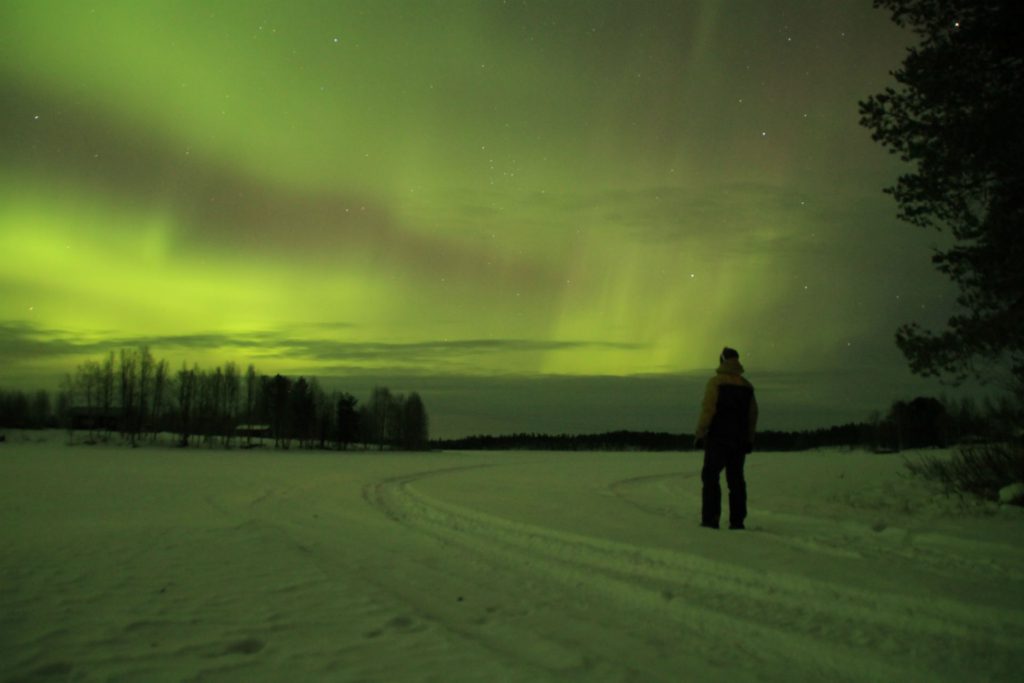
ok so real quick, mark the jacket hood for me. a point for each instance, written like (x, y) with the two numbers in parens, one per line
(730, 366)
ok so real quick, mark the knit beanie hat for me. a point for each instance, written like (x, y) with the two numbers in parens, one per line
(728, 353)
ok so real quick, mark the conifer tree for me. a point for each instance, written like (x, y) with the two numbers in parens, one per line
(954, 114)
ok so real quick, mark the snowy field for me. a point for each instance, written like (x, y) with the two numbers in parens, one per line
(156, 564)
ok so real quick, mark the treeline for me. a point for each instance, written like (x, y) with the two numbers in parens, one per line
(19, 409)
(134, 395)
(920, 423)
(929, 422)
(608, 441)
(649, 441)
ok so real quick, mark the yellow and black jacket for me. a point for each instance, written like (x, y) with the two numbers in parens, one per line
(728, 413)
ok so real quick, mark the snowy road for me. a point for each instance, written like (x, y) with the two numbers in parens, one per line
(155, 564)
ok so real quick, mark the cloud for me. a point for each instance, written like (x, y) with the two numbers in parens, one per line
(422, 351)
(21, 340)
(737, 217)
(24, 340)
(215, 206)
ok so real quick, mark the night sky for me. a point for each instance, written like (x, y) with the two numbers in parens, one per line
(542, 216)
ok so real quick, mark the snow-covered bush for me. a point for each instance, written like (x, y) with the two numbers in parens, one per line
(981, 469)
(1012, 494)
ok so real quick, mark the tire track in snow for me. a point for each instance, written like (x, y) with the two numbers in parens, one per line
(845, 539)
(389, 619)
(523, 620)
(781, 620)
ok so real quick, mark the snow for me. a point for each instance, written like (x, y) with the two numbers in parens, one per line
(158, 564)
(1012, 494)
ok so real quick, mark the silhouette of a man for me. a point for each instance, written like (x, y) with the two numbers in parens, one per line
(728, 418)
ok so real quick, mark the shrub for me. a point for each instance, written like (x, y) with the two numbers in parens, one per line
(981, 469)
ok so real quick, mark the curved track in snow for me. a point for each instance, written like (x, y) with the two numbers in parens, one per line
(684, 612)
(855, 540)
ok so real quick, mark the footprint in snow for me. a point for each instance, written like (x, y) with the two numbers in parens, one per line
(247, 646)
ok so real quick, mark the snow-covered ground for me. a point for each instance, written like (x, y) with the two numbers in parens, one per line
(156, 564)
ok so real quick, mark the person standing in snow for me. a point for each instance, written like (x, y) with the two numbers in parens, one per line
(728, 418)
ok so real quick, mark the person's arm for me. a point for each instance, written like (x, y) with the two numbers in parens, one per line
(752, 421)
(707, 408)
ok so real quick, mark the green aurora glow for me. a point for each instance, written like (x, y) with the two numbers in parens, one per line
(488, 200)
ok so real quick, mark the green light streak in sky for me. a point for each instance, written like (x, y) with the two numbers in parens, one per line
(591, 188)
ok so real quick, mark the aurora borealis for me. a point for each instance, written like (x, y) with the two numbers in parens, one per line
(541, 215)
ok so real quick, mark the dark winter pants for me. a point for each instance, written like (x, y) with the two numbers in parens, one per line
(717, 457)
